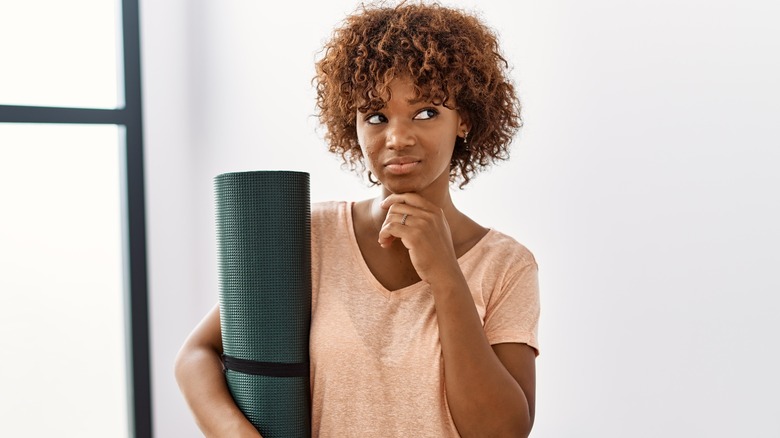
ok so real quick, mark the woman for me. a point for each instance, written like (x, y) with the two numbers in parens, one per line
(423, 321)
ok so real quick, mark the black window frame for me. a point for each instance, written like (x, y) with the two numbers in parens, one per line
(129, 117)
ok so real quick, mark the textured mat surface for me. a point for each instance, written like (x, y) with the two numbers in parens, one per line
(264, 235)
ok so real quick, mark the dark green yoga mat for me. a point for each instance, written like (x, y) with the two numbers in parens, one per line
(264, 235)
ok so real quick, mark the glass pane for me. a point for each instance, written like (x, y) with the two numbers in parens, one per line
(60, 53)
(62, 312)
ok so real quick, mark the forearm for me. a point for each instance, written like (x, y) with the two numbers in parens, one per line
(200, 377)
(484, 398)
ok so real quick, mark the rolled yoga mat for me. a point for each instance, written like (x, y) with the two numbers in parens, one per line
(264, 235)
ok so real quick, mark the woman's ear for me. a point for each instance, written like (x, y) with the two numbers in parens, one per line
(464, 126)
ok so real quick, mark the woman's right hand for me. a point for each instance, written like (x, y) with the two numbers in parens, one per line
(200, 377)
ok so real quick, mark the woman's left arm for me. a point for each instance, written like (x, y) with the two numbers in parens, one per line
(490, 389)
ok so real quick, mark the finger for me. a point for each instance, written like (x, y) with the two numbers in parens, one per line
(394, 230)
(412, 199)
(401, 209)
(386, 236)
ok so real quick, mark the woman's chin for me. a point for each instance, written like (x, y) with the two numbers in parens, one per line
(399, 189)
(413, 184)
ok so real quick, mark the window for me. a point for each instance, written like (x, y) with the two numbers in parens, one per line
(73, 298)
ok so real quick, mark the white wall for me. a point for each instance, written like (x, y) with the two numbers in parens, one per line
(644, 181)
(168, 96)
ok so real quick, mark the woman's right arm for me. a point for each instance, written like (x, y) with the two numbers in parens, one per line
(202, 382)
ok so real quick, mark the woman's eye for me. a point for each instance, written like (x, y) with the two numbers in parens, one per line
(426, 114)
(375, 119)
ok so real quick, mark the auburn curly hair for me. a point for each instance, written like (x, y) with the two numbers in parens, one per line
(452, 58)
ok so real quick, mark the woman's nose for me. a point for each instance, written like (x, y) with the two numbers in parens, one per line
(399, 136)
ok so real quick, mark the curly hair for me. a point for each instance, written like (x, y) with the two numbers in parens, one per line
(452, 58)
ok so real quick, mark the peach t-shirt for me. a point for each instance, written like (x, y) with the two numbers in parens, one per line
(376, 365)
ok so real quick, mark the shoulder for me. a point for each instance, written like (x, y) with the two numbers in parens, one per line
(502, 249)
(327, 211)
(325, 207)
(499, 263)
(328, 217)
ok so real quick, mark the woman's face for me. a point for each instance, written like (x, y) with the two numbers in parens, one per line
(408, 145)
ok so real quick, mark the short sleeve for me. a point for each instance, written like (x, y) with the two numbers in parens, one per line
(512, 312)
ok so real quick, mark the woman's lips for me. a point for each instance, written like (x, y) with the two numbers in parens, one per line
(401, 168)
